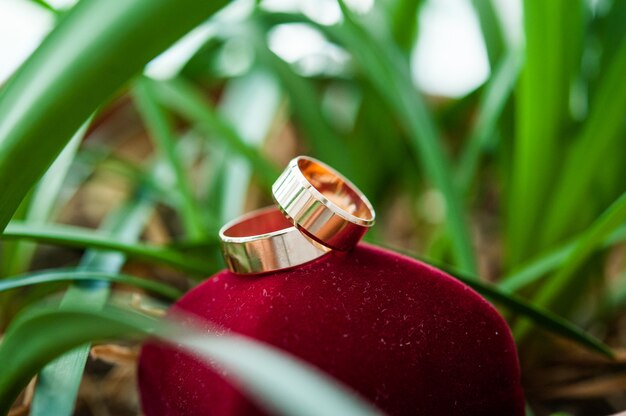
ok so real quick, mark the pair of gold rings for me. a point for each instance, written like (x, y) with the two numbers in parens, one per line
(317, 210)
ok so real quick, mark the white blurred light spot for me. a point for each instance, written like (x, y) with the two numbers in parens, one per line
(307, 49)
(23, 26)
(450, 58)
(326, 12)
(294, 41)
(62, 4)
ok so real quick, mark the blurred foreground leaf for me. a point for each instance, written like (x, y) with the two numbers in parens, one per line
(96, 48)
(80, 275)
(279, 382)
(82, 237)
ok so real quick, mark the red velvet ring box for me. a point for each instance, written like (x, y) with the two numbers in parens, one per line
(406, 336)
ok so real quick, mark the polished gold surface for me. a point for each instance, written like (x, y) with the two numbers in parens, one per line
(323, 204)
(264, 241)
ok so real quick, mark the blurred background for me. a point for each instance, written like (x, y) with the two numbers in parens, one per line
(489, 135)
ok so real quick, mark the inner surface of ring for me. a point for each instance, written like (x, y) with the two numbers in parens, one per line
(264, 222)
(334, 188)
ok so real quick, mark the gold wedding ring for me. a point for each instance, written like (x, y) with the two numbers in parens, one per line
(264, 241)
(318, 211)
(323, 204)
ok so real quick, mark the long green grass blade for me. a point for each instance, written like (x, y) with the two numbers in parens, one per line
(41, 204)
(82, 238)
(283, 384)
(491, 27)
(57, 384)
(539, 316)
(257, 95)
(324, 141)
(183, 98)
(497, 93)
(598, 141)
(547, 263)
(404, 23)
(551, 28)
(387, 71)
(79, 275)
(97, 47)
(557, 291)
(162, 133)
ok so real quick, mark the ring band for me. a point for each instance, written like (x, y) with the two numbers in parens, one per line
(263, 241)
(323, 204)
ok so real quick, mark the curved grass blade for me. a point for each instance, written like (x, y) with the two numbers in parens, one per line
(280, 382)
(80, 237)
(535, 270)
(41, 203)
(494, 98)
(80, 275)
(492, 31)
(598, 139)
(541, 317)
(553, 33)
(182, 98)
(160, 130)
(554, 294)
(97, 47)
(387, 71)
(58, 383)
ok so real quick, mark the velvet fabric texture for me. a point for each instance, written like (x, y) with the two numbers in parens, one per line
(406, 336)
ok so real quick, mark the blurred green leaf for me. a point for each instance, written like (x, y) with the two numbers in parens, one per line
(183, 98)
(562, 288)
(491, 27)
(80, 237)
(384, 67)
(161, 131)
(404, 23)
(76, 275)
(281, 383)
(91, 53)
(535, 270)
(553, 30)
(58, 383)
(597, 142)
(493, 100)
(41, 204)
(541, 317)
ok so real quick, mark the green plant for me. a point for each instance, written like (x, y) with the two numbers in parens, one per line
(546, 131)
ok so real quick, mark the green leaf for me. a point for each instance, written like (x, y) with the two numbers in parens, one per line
(80, 237)
(538, 316)
(385, 68)
(257, 95)
(491, 27)
(495, 96)
(404, 23)
(96, 48)
(42, 202)
(162, 133)
(541, 317)
(552, 29)
(559, 291)
(598, 141)
(183, 98)
(535, 270)
(77, 275)
(58, 383)
(280, 382)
